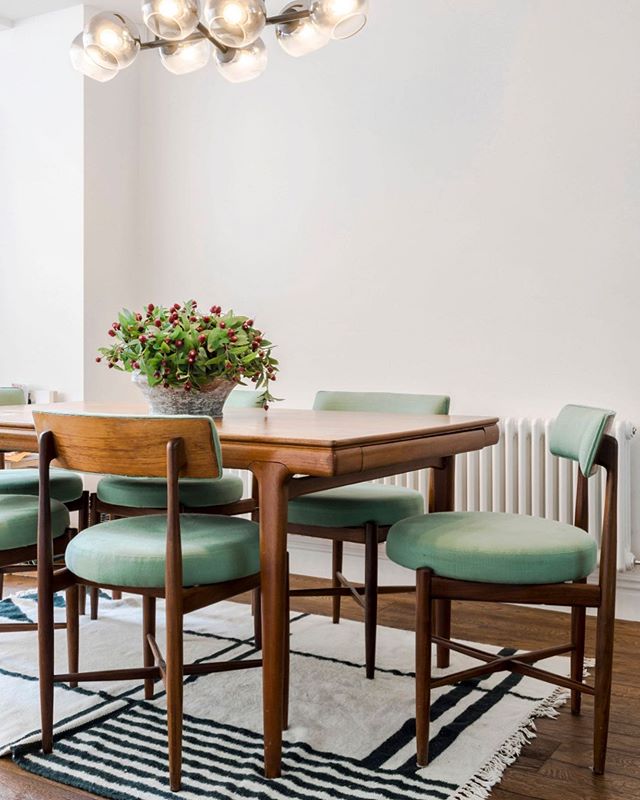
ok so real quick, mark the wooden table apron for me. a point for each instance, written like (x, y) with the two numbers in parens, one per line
(296, 452)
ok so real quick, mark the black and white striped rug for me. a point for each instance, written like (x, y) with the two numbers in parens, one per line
(348, 737)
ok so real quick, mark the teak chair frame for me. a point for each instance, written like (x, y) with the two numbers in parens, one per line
(579, 595)
(62, 438)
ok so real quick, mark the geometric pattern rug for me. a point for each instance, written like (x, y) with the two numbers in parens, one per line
(349, 738)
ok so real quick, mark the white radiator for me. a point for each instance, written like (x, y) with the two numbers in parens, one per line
(520, 476)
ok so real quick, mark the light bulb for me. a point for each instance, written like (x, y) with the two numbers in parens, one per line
(87, 66)
(111, 41)
(235, 23)
(340, 18)
(300, 36)
(184, 57)
(242, 64)
(171, 19)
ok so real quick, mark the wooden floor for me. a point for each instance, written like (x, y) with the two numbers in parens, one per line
(555, 766)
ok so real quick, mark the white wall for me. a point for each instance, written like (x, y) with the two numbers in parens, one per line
(458, 212)
(455, 213)
(112, 255)
(41, 205)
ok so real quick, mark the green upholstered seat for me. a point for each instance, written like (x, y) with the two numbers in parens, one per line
(131, 551)
(152, 492)
(65, 486)
(19, 520)
(493, 547)
(353, 506)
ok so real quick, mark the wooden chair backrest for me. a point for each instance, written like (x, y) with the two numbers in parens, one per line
(131, 446)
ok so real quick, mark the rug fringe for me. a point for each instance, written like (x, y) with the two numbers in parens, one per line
(480, 786)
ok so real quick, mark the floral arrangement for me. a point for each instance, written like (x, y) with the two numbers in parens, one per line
(181, 347)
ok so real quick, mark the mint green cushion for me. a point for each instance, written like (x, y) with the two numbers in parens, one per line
(246, 398)
(11, 396)
(577, 432)
(152, 492)
(131, 551)
(493, 548)
(65, 486)
(353, 506)
(19, 520)
(382, 402)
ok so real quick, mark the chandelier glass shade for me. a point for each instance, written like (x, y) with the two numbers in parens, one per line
(300, 36)
(235, 23)
(184, 57)
(171, 19)
(185, 32)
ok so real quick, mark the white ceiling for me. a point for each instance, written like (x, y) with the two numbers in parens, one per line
(19, 9)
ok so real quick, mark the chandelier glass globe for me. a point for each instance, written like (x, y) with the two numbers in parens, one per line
(171, 19)
(300, 36)
(235, 23)
(182, 58)
(111, 40)
(81, 62)
(340, 19)
(242, 64)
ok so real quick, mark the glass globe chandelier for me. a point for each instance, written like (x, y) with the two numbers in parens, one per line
(186, 31)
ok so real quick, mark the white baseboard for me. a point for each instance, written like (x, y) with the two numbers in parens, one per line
(313, 557)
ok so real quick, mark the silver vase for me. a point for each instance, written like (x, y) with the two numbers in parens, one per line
(206, 401)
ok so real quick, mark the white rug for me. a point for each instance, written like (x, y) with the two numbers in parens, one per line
(348, 737)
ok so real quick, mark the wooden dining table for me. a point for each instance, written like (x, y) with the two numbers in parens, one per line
(291, 453)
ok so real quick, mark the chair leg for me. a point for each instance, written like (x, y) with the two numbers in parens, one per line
(578, 620)
(82, 599)
(73, 645)
(423, 664)
(602, 699)
(442, 610)
(45, 665)
(336, 566)
(1, 584)
(287, 653)
(256, 607)
(174, 676)
(148, 629)
(370, 596)
(94, 595)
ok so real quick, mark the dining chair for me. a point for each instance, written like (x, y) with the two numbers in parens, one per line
(498, 557)
(125, 496)
(362, 513)
(66, 487)
(190, 560)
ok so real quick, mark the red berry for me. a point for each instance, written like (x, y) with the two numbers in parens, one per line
(187, 387)
(250, 323)
(142, 339)
(223, 324)
(228, 365)
(193, 353)
(166, 385)
(179, 343)
(193, 319)
(176, 306)
(150, 307)
(112, 332)
(206, 320)
(158, 323)
(116, 326)
(202, 338)
(139, 317)
(271, 377)
(167, 340)
(156, 375)
(111, 365)
(266, 406)
(98, 359)
(136, 365)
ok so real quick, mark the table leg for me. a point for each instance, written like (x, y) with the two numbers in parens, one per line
(443, 500)
(273, 479)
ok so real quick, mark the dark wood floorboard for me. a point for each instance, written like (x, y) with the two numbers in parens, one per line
(555, 766)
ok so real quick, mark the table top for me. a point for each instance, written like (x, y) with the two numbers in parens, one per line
(274, 434)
